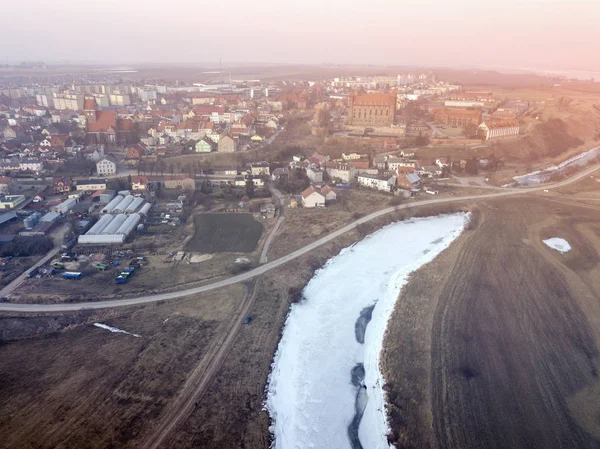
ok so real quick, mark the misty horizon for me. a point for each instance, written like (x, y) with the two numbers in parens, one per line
(546, 35)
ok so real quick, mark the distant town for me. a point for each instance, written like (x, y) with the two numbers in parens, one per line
(88, 149)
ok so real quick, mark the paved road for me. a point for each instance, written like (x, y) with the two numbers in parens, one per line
(35, 308)
(281, 197)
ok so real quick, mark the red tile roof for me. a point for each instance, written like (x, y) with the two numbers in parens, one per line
(124, 124)
(495, 124)
(308, 192)
(374, 99)
(89, 104)
(143, 180)
(104, 121)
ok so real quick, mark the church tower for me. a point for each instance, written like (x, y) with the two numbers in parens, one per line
(89, 109)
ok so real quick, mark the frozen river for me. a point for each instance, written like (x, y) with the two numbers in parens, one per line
(326, 388)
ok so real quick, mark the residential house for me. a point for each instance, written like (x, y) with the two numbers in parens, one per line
(31, 164)
(352, 156)
(107, 166)
(134, 155)
(360, 164)
(377, 182)
(204, 145)
(90, 185)
(429, 171)
(139, 183)
(11, 201)
(9, 165)
(260, 168)
(225, 170)
(6, 185)
(227, 144)
(61, 184)
(314, 174)
(394, 162)
(94, 153)
(279, 173)
(409, 181)
(498, 129)
(343, 172)
(328, 193)
(380, 162)
(443, 162)
(180, 182)
(312, 198)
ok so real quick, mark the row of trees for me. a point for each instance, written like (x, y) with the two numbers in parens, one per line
(26, 246)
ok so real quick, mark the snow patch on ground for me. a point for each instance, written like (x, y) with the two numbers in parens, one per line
(558, 244)
(196, 258)
(114, 329)
(310, 395)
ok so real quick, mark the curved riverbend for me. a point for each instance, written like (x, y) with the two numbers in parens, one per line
(326, 387)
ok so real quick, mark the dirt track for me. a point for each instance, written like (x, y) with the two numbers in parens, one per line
(191, 393)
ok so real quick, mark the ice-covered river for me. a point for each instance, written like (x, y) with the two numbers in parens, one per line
(326, 388)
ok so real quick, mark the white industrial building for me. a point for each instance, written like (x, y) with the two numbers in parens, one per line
(100, 225)
(120, 208)
(114, 225)
(65, 206)
(134, 205)
(145, 209)
(113, 203)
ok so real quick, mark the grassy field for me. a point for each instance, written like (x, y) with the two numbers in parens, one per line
(494, 344)
(225, 233)
(66, 383)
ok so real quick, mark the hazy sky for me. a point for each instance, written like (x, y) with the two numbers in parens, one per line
(512, 33)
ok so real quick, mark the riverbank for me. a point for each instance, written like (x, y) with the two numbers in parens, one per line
(311, 396)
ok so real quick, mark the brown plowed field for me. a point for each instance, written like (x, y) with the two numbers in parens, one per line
(494, 344)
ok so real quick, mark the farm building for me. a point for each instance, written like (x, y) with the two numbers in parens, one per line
(65, 206)
(312, 198)
(120, 208)
(135, 205)
(113, 203)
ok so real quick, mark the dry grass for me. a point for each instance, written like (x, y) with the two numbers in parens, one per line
(67, 383)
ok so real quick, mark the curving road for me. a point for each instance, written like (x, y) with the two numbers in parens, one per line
(67, 307)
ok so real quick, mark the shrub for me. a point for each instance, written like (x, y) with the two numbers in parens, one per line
(395, 201)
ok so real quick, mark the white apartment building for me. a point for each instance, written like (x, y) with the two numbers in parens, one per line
(106, 166)
(63, 101)
(377, 182)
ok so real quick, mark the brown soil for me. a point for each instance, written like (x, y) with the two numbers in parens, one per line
(494, 344)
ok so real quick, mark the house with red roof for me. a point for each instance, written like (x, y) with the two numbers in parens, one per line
(139, 183)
